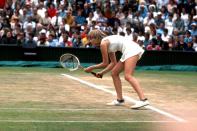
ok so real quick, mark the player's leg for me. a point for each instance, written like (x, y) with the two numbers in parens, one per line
(129, 68)
(117, 83)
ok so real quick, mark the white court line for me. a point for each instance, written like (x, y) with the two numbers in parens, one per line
(52, 121)
(178, 119)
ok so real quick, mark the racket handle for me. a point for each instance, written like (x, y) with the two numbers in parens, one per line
(98, 76)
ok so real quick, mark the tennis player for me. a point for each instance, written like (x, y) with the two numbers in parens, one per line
(131, 53)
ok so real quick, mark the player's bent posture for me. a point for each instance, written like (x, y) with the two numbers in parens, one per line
(131, 53)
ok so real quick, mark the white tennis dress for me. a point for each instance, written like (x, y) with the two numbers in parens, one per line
(126, 46)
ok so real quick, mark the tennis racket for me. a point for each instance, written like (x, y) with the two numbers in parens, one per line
(72, 63)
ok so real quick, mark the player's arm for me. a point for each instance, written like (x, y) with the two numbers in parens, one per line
(105, 57)
(109, 67)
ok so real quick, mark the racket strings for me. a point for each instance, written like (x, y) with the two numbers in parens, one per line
(69, 62)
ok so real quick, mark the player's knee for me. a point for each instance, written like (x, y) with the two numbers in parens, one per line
(128, 77)
(114, 73)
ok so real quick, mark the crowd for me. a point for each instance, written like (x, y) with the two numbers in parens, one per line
(153, 24)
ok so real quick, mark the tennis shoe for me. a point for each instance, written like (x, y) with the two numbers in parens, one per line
(116, 103)
(140, 104)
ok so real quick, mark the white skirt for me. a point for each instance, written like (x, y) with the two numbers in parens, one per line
(130, 50)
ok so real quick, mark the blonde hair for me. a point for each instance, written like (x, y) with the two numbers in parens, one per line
(96, 35)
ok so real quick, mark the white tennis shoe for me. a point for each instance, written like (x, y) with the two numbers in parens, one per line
(140, 104)
(116, 103)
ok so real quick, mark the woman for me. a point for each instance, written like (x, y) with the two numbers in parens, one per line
(131, 52)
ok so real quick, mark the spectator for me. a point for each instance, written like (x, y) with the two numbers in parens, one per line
(161, 3)
(171, 5)
(169, 24)
(41, 9)
(86, 11)
(159, 20)
(184, 16)
(42, 39)
(65, 42)
(152, 17)
(52, 42)
(194, 29)
(52, 11)
(57, 20)
(89, 19)
(179, 24)
(165, 36)
(190, 46)
(149, 19)
(147, 39)
(187, 37)
(77, 43)
(46, 20)
(62, 11)
(8, 38)
(70, 20)
(35, 16)
(153, 45)
(142, 10)
(194, 39)
(101, 20)
(20, 38)
(161, 43)
(30, 42)
(171, 43)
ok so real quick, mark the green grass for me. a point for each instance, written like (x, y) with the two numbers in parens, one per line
(31, 94)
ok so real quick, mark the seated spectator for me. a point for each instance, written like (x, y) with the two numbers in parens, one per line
(46, 20)
(101, 20)
(52, 42)
(70, 19)
(65, 42)
(42, 38)
(189, 46)
(120, 15)
(184, 16)
(20, 39)
(79, 19)
(159, 20)
(149, 19)
(56, 21)
(169, 24)
(30, 43)
(171, 43)
(62, 11)
(194, 29)
(179, 23)
(143, 9)
(29, 22)
(77, 43)
(147, 39)
(153, 45)
(135, 37)
(164, 12)
(86, 11)
(52, 10)
(161, 43)
(8, 38)
(187, 37)
(41, 9)
(194, 39)
(165, 35)
(128, 33)
(180, 44)
(35, 17)
(160, 29)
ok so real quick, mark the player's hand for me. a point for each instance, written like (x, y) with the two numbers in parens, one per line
(99, 75)
(88, 69)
